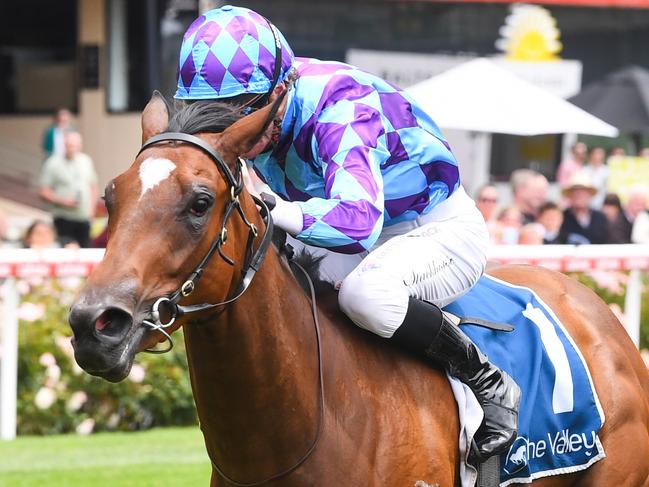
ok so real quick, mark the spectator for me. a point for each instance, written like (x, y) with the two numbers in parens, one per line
(636, 202)
(597, 170)
(69, 186)
(530, 190)
(487, 201)
(40, 235)
(644, 152)
(573, 163)
(531, 234)
(581, 223)
(640, 230)
(53, 137)
(618, 151)
(619, 227)
(510, 221)
(99, 227)
(101, 240)
(4, 229)
(636, 212)
(550, 217)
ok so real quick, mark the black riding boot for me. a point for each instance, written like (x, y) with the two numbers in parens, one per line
(425, 331)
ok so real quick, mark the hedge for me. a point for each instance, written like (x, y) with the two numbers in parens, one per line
(56, 396)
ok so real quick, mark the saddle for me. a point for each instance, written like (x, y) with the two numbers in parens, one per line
(559, 404)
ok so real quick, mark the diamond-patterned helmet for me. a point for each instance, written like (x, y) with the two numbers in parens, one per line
(228, 52)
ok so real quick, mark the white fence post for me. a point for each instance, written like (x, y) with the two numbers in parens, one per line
(9, 360)
(632, 304)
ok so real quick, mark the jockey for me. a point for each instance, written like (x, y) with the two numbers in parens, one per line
(358, 168)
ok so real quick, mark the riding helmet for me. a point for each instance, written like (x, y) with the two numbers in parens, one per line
(231, 51)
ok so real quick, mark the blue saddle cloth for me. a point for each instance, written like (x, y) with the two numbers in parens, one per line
(560, 415)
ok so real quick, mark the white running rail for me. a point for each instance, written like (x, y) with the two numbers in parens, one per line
(24, 263)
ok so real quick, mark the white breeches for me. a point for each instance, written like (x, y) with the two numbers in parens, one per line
(437, 257)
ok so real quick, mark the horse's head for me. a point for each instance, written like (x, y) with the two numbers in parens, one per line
(165, 214)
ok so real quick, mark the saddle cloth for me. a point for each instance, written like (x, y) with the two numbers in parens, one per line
(560, 414)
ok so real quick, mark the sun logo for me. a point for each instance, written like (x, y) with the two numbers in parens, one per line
(530, 33)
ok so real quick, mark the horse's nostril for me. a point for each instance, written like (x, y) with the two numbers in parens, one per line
(113, 323)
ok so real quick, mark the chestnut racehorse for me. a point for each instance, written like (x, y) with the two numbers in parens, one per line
(379, 417)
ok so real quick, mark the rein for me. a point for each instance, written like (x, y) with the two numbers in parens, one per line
(321, 404)
(252, 263)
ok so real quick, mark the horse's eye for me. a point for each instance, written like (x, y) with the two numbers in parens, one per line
(200, 206)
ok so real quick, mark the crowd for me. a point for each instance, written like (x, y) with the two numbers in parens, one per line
(68, 189)
(584, 214)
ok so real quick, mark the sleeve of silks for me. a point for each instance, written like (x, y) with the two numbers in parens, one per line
(349, 144)
(287, 215)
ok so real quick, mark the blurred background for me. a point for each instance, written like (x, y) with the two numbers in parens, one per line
(503, 79)
(101, 59)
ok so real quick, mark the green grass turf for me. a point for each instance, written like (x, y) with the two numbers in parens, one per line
(162, 457)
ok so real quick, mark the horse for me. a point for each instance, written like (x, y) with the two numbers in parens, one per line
(289, 393)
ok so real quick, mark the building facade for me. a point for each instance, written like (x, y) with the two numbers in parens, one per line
(103, 58)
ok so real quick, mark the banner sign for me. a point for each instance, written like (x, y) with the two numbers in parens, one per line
(561, 77)
(626, 173)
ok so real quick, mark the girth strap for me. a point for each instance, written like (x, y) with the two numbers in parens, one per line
(491, 325)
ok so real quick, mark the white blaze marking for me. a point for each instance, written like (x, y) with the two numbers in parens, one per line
(153, 171)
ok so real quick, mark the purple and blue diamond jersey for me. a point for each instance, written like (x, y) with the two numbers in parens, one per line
(357, 154)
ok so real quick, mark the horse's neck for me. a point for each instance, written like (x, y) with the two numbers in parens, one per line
(254, 374)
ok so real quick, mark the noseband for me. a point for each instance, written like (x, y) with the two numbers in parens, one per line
(168, 306)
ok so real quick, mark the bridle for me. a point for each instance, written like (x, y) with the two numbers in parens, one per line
(253, 260)
(168, 306)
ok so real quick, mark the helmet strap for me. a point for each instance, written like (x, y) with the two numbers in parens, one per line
(278, 66)
(277, 129)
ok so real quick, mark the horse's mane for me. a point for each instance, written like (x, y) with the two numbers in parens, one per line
(208, 116)
(309, 262)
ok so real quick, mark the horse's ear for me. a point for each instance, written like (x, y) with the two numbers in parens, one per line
(155, 116)
(242, 135)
